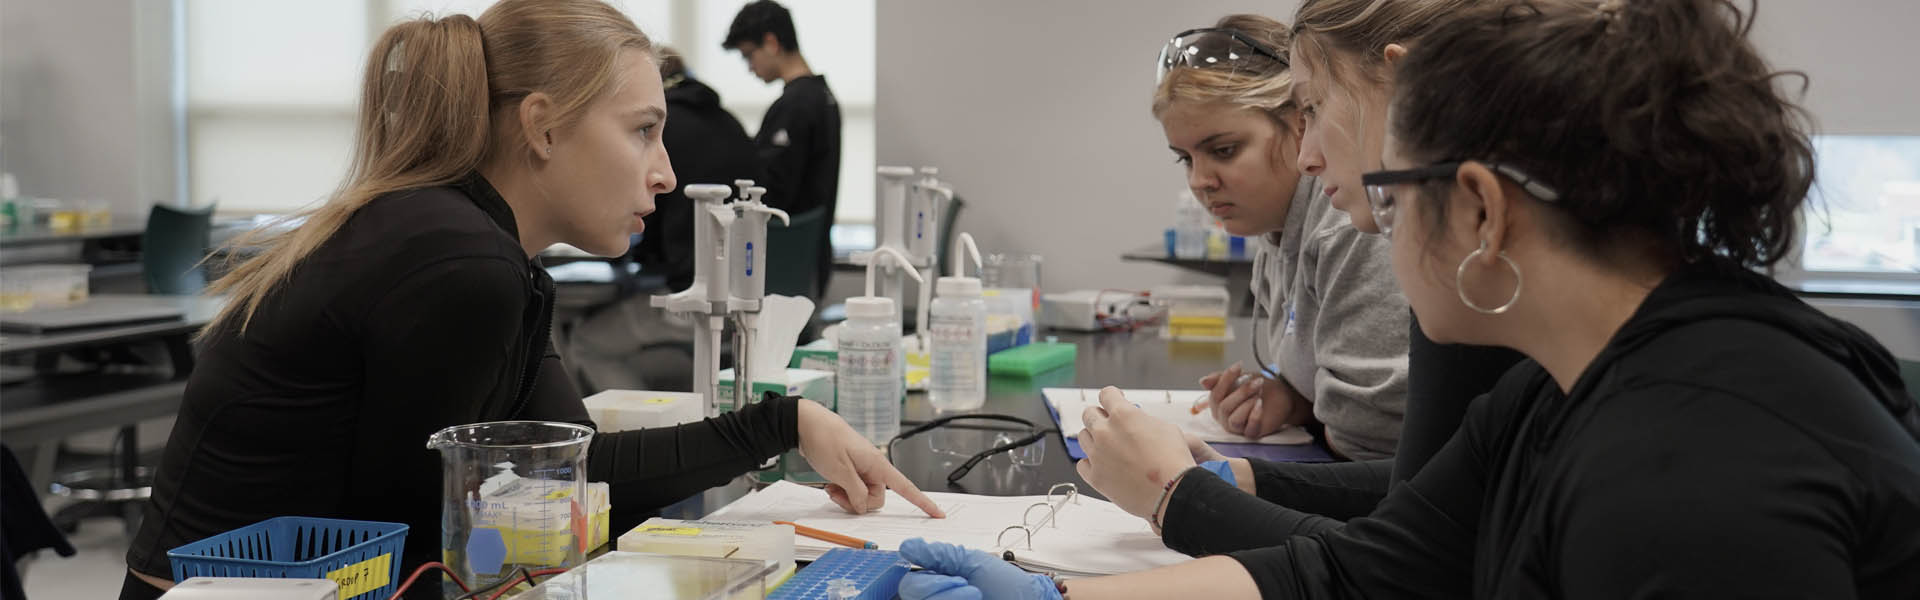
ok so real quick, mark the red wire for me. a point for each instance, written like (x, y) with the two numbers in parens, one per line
(528, 577)
(402, 590)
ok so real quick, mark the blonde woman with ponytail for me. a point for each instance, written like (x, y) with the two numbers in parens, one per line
(410, 300)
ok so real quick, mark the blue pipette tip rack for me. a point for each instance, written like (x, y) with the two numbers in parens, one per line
(876, 573)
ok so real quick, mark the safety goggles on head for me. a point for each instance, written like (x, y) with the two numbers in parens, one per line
(1217, 48)
(1381, 186)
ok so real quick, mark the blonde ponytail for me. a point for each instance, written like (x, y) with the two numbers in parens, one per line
(436, 103)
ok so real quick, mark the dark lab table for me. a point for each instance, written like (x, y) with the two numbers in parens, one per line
(21, 235)
(1136, 360)
(42, 411)
(1238, 270)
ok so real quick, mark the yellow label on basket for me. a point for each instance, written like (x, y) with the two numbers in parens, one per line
(670, 530)
(364, 576)
(559, 493)
(658, 400)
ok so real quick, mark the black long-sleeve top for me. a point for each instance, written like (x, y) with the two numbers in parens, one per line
(1304, 498)
(420, 313)
(799, 140)
(1729, 441)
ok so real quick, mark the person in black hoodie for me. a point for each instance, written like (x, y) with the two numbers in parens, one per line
(411, 300)
(1592, 184)
(708, 146)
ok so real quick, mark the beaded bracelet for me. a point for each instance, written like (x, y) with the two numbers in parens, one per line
(1165, 492)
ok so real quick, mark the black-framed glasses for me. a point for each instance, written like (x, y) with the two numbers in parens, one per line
(1215, 47)
(1380, 186)
(1030, 434)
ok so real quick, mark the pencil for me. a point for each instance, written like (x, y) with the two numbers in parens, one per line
(828, 536)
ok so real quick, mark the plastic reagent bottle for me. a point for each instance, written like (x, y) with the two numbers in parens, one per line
(870, 374)
(957, 340)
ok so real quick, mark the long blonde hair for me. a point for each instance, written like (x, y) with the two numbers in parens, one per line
(1270, 92)
(1356, 32)
(438, 100)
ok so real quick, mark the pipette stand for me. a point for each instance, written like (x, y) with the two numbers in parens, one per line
(706, 301)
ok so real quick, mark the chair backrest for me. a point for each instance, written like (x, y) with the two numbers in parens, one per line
(1910, 371)
(794, 252)
(947, 231)
(172, 247)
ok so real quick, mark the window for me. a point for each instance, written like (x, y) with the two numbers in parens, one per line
(1864, 211)
(270, 108)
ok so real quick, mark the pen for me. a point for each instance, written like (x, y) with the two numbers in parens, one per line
(828, 536)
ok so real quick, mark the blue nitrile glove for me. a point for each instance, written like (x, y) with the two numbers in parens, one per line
(958, 573)
(1222, 468)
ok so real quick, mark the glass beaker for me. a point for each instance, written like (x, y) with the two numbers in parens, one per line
(513, 495)
(1012, 271)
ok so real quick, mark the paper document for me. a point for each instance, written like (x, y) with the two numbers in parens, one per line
(1172, 406)
(1087, 537)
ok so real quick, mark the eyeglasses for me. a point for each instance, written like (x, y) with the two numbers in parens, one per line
(1213, 47)
(1380, 186)
(1032, 433)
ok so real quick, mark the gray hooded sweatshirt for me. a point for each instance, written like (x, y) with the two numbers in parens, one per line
(1333, 320)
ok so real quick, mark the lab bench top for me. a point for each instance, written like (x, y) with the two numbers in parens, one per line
(1138, 359)
(19, 234)
(199, 310)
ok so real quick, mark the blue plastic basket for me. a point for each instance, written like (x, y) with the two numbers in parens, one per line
(362, 556)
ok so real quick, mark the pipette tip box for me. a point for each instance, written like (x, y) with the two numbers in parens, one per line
(1032, 359)
(875, 574)
(630, 410)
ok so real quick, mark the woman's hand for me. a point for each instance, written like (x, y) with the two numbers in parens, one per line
(1131, 455)
(1255, 408)
(857, 472)
(1200, 449)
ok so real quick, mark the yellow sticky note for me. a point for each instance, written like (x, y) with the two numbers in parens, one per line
(559, 493)
(364, 576)
(667, 530)
(658, 400)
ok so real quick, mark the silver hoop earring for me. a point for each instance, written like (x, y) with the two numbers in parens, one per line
(1460, 282)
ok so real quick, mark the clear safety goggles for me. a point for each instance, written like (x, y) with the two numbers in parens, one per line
(1217, 48)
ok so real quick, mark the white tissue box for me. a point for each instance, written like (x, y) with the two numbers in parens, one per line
(628, 410)
(806, 383)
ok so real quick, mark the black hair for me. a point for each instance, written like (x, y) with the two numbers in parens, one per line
(756, 20)
(1652, 118)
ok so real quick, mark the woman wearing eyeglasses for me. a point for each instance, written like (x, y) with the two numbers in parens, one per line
(1592, 184)
(1330, 316)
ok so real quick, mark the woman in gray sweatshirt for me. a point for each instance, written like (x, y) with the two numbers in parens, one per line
(1330, 317)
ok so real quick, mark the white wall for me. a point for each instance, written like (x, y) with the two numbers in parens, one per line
(1038, 112)
(84, 97)
(1858, 54)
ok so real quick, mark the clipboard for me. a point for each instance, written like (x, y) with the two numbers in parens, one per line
(1305, 450)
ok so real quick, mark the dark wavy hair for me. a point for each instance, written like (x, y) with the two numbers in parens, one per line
(756, 20)
(1651, 117)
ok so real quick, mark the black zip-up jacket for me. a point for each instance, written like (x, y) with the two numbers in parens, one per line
(1307, 498)
(1729, 442)
(422, 312)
